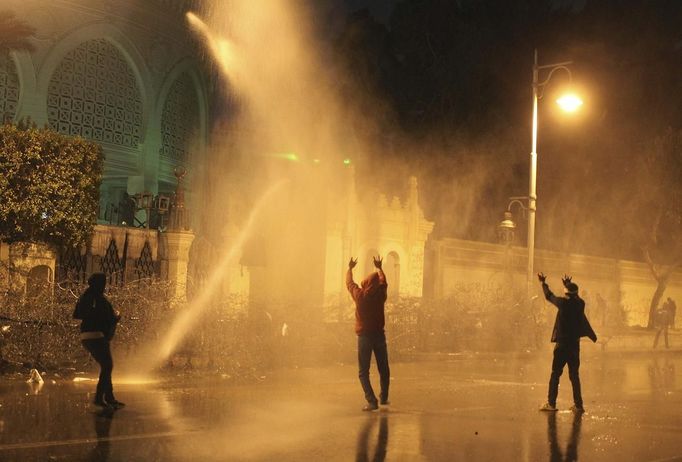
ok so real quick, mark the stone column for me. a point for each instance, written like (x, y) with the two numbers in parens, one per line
(176, 245)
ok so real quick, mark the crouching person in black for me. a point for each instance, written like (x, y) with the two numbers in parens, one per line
(570, 325)
(97, 329)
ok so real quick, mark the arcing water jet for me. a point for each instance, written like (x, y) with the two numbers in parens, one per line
(188, 317)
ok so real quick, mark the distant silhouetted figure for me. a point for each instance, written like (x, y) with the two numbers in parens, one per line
(663, 320)
(126, 210)
(369, 299)
(97, 329)
(570, 325)
(672, 311)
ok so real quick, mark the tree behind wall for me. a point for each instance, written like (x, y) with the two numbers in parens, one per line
(655, 210)
(49, 185)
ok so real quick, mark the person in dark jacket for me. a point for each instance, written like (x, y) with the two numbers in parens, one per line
(97, 329)
(369, 300)
(662, 321)
(569, 326)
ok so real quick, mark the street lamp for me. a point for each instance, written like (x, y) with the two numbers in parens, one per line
(147, 201)
(506, 228)
(569, 103)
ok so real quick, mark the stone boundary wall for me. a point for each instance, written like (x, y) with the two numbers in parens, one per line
(451, 263)
(125, 254)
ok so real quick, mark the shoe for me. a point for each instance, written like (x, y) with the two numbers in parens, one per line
(577, 409)
(99, 402)
(373, 406)
(116, 404)
(384, 402)
(548, 408)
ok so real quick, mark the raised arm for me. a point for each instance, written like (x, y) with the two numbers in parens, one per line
(553, 299)
(352, 287)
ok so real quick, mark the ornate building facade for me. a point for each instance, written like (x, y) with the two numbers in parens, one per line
(124, 74)
(363, 229)
(131, 77)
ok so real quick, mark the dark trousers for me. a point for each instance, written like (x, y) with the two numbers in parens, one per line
(100, 351)
(565, 354)
(368, 343)
(664, 330)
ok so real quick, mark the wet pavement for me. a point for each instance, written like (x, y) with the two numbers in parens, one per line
(467, 409)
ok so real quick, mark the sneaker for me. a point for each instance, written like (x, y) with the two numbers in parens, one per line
(373, 406)
(384, 402)
(577, 409)
(548, 408)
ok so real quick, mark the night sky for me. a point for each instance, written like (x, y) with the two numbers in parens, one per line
(445, 87)
(380, 9)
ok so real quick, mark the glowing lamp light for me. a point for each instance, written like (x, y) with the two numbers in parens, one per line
(569, 103)
(290, 156)
(346, 161)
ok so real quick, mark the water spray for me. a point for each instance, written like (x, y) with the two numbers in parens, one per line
(222, 49)
(188, 317)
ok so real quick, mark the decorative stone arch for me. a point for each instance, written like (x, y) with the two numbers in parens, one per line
(116, 37)
(110, 106)
(187, 67)
(25, 74)
(396, 283)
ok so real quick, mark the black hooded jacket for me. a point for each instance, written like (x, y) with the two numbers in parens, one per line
(94, 309)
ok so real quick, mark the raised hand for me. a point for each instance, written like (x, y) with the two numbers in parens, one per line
(566, 280)
(542, 277)
(352, 263)
(377, 261)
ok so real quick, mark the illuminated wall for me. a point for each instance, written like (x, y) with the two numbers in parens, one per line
(451, 263)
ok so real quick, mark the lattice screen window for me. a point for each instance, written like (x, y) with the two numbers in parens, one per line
(144, 266)
(94, 94)
(9, 88)
(180, 119)
(72, 265)
(111, 264)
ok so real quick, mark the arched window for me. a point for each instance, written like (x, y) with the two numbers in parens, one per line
(180, 120)
(9, 88)
(93, 93)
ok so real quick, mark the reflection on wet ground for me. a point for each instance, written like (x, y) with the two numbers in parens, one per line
(481, 409)
(555, 451)
(363, 448)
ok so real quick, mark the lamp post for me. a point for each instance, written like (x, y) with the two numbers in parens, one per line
(147, 201)
(506, 230)
(569, 103)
